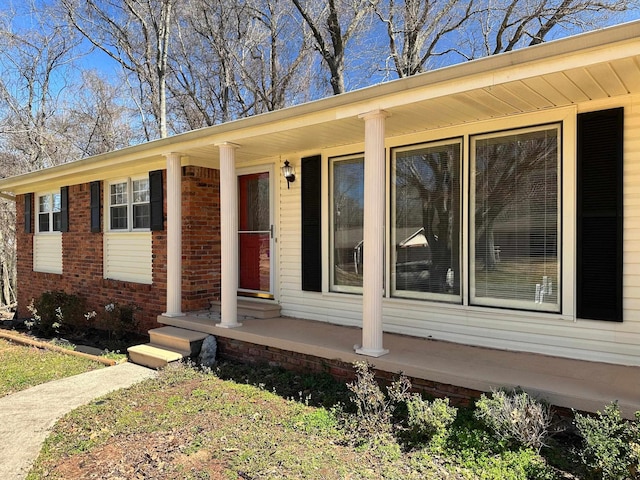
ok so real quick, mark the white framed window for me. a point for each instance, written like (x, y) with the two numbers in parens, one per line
(426, 221)
(515, 219)
(347, 215)
(49, 212)
(129, 208)
(506, 253)
(47, 243)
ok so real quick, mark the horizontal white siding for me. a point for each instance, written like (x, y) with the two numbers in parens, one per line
(127, 257)
(561, 335)
(629, 332)
(47, 253)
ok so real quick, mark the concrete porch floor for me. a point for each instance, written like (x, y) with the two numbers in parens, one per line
(563, 382)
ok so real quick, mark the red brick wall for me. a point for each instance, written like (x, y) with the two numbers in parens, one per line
(200, 237)
(244, 352)
(82, 255)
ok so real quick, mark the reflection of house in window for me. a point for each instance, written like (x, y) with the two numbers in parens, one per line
(413, 260)
(426, 220)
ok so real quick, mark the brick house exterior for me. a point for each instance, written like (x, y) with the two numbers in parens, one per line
(553, 271)
(83, 253)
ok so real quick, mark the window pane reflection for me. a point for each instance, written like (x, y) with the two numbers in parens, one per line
(515, 227)
(348, 214)
(426, 230)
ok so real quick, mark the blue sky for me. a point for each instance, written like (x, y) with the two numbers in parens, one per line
(100, 61)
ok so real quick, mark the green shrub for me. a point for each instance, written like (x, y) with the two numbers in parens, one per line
(427, 420)
(515, 417)
(611, 444)
(56, 311)
(377, 415)
(373, 408)
(118, 319)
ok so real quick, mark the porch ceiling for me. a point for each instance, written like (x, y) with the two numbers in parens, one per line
(608, 79)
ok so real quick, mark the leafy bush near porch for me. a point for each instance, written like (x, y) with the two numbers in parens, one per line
(428, 420)
(515, 417)
(56, 311)
(118, 319)
(399, 412)
(611, 444)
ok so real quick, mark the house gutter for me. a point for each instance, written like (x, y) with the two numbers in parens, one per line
(596, 46)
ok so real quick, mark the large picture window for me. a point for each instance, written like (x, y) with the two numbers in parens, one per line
(515, 220)
(426, 221)
(129, 205)
(347, 213)
(49, 213)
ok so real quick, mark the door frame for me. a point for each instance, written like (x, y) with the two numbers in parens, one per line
(261, 168)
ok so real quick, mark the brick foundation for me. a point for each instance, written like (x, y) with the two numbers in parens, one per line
(244, 352)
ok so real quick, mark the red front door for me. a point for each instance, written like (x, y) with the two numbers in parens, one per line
(254, 231)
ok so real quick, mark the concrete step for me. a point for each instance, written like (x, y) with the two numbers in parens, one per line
(253, 308)
(177, 339)
(154, 356)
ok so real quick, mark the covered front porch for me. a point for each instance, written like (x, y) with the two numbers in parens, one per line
(447, 366)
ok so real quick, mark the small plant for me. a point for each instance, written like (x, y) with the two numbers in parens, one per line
(611, 444)
(44, 326)
(515, 417)
(377, 414)
(114, 355)
(118, 319)
(90, 317)
(427, 420)
(35, 319)
(373, 408)
(54, 311)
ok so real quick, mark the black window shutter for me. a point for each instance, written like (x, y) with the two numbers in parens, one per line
(95, 206)
(156, 198)
(64, 209)
(600, 215)
(28, 213)
(310, 185)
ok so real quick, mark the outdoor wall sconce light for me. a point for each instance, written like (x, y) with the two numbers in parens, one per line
(289, 173)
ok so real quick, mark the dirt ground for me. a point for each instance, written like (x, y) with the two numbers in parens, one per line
(139, 456)
(150, 455)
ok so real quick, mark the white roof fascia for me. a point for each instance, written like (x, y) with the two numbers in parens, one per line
(607, 44)
(7, 196)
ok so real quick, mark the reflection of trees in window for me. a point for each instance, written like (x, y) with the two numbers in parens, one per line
(255, 188)
(516, 215)
(348, 215)
(427, 219)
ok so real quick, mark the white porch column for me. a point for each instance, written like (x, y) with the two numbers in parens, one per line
(374, 220)
(229, 237)
(174, 236)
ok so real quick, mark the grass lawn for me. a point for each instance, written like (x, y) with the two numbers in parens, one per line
(22, 367)
(192, 425)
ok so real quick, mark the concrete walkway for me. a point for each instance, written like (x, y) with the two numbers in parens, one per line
(26, 417)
